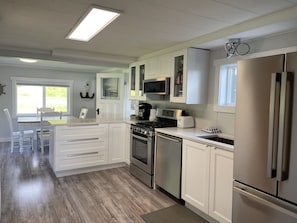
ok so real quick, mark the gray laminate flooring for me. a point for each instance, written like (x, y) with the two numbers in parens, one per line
(31, 193)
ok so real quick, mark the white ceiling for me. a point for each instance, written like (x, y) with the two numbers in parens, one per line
(37, 28)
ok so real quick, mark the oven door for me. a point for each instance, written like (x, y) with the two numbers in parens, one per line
(142, 152)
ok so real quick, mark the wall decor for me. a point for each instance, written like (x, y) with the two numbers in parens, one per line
(87, 95)
(2, 89)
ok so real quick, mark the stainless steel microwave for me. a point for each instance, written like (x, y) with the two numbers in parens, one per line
(159, 86)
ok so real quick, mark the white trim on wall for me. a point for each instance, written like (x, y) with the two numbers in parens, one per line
(41, 81)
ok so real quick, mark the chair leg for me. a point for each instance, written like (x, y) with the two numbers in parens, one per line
(32, 143)
(42, 145)
(21, 139)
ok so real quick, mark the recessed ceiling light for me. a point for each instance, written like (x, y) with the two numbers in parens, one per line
(93, 22)
(27, 60)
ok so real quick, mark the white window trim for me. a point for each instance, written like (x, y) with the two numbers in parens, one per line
(216, 106)
(41, 81)
(220, 62)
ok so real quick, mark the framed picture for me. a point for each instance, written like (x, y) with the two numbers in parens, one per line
(110, 88)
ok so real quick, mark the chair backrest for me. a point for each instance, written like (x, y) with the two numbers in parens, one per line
(8, 117)
(44, 116)
(41, 110)
(83, 113)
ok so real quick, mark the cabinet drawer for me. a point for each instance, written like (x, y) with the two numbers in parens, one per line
(81, 160)
(69, 147)
(81, 132)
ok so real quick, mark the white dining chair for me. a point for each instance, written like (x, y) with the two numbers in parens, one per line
(43, 135)
(17, 136)
(83, 113)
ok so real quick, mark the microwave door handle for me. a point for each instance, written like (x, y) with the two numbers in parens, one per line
(285, 120)
(273, 124)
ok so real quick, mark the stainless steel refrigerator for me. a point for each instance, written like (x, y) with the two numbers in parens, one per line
(265, 154)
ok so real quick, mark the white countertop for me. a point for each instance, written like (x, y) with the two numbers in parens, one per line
(88, 121)
(194, 134)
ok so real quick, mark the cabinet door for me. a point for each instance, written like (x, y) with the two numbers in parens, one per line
(132, 80)
(141, 78)
(195, 174)
(127, 143)
(136, 78)
(166, 65)
(221, 178)
(178, 81)
(116, 149)
(190, 76)
(153, 68)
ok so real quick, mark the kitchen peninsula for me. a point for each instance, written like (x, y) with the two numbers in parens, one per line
(84, 145)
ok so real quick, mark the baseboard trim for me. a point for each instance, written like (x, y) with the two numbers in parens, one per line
(63, 173)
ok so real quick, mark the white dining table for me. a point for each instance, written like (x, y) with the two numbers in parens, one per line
(31, 122)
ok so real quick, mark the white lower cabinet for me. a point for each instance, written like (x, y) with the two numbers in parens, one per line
(195, 174)
(207, 175)
(127, 143)
(116, 147)
(79, 146)
(221, 177)
(82, 146)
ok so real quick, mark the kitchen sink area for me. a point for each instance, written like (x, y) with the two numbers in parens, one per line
(218, 139)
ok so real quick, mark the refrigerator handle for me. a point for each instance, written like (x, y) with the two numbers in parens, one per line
(264, 202)
(273, 124)
(285, 120)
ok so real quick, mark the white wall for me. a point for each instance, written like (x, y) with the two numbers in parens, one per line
(204, 114)
(6, 72)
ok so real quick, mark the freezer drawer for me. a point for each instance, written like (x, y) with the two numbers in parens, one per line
(258, 207)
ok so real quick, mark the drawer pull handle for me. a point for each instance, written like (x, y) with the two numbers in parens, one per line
(82, 154)
(81, 125)
(78, 140)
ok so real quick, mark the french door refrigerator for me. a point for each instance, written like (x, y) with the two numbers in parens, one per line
(265, 149)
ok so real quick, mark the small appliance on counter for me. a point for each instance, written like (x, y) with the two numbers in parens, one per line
(144, 111)
(185, 122)
(153, 116)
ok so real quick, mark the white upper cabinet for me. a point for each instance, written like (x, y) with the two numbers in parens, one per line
(189, 76)
(137, 75)
(159, 66)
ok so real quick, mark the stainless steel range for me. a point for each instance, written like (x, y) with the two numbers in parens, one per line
(143, 143)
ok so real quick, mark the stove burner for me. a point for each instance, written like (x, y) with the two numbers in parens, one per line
(147, 128)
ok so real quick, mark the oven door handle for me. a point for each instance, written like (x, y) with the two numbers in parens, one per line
(139, 137)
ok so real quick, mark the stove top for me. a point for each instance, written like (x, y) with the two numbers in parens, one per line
(157, 124)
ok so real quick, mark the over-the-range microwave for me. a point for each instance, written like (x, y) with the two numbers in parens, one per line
(159, 86)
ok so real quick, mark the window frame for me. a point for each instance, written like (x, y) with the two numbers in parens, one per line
(42, 82)
(216, 107)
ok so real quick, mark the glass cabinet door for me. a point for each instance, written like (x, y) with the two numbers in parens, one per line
(178, 75)
(141, 79)
(133, 81)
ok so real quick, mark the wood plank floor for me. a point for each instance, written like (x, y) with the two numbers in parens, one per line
(31, 193)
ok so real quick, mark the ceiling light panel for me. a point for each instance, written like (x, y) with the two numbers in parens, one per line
(91, 24)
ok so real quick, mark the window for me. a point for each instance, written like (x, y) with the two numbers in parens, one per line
(32, 93)
(227, 85)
